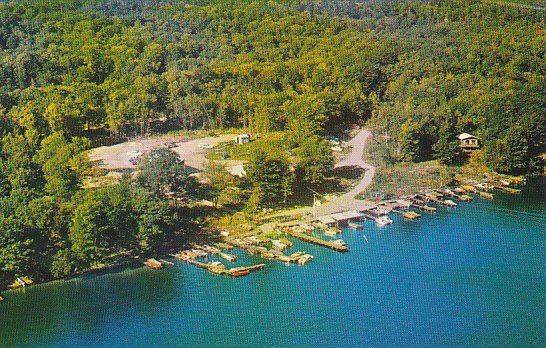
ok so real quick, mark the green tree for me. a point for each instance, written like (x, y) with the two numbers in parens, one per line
(162, 171)
(218, 180)
(62, 164)
(314, 161)
(409, 141)
(271, 170)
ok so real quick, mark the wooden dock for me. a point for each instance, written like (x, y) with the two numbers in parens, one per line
(228, 257)
(219, 268)
(224, 246)
(507, 189)
(484, 194)
(152, 263)
(318, 241)
(411, 215)
(424, 208)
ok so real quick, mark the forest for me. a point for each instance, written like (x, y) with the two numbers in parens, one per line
(76, 74)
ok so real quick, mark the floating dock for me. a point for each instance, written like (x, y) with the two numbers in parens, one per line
(424, 208)
(484, 194)
(153, 263)
(219, 268)
(411, 215)
(507, 189)
(331, 245)
(224, 246)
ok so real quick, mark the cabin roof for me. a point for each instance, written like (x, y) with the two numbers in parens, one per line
(464, 136)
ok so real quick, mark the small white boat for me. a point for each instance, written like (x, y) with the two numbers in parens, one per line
(355, 225)
(383, 220)
(330, 233)
(450, 203)
(211, 250)
(199, 252)
(304, 259)
(340, 242)
(307, 227)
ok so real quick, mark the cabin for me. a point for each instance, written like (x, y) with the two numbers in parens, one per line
(468, 142)
(242, 139)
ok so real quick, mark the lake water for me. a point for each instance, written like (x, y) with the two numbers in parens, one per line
(470, 275)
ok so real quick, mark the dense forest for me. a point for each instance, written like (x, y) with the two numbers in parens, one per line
(80, 73)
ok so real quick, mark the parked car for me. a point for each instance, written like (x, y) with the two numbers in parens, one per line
(170, 145)
(336, 148)
(205, 146)
(134, 153)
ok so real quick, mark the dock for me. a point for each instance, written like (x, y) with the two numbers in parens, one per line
(224, 246)
(424, 208)
(411, 215)
(507, 189)
(153, 263)
(484, 194)
(331, 245)
(219, 268)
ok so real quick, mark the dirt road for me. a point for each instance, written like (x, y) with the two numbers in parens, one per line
(346, 201)
(354, 159)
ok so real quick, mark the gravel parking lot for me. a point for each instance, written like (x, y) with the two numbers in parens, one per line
(192, 151)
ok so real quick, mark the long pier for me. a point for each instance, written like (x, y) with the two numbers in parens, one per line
(318, 241)
(219, 268)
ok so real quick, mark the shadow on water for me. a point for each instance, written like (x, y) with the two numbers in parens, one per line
(83, 304)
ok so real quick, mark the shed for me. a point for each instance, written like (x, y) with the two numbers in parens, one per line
(242, 139)
(327, 220)
(468, 142)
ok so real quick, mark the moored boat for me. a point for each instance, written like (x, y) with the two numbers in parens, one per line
(339, 242)
(383, 220)
(240, 273)
(355, 225)
(450, 203)
(229, 257)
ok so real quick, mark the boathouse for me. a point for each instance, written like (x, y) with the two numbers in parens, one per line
(468, 142)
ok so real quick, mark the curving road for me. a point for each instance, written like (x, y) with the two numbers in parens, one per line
(346, 201)
(354, 159)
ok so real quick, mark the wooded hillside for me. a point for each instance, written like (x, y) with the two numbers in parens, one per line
(79, 73)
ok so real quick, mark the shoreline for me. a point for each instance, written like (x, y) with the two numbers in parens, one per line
(344, 202)
(279, 226)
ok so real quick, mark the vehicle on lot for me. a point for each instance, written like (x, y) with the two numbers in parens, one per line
(332, 140)
(205, 146)
(337, 148)
(134, 154)
(170, 144)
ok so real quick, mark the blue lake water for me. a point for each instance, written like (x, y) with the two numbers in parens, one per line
(470, 275)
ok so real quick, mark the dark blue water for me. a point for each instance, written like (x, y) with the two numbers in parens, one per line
(470, 275)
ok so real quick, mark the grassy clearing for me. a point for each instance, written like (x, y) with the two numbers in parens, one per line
(399, 179)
